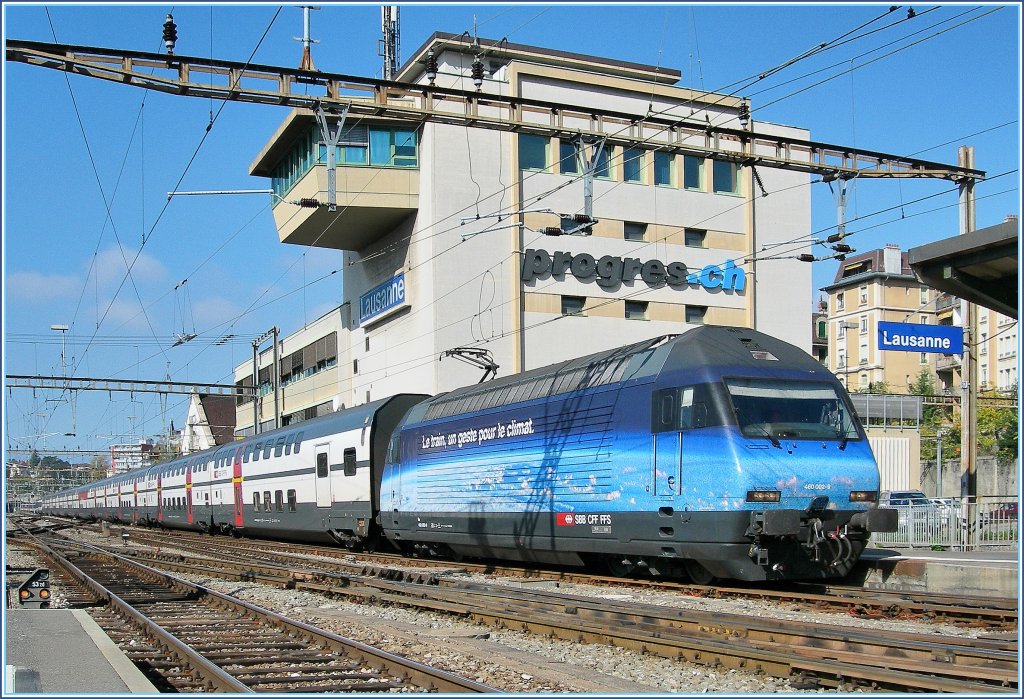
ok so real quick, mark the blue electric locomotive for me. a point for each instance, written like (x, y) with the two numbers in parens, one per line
(723, 452)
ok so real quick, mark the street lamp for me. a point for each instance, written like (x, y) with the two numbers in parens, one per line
(846, 335)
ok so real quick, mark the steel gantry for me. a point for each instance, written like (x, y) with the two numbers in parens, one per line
(370, 97)
(66, 383)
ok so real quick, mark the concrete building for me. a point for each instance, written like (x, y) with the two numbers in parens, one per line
(446, 230)
(880, 286)
(128, 457)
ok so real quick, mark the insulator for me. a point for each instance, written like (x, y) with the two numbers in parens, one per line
(744, 113)
(478, 72)
(308, 203)
(552, 230)
(806, 258)
(170, 33)
(835, 238)
(842, 247)
(582, 218)
(431, 66)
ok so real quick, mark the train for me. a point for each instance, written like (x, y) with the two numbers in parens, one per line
(717, 453)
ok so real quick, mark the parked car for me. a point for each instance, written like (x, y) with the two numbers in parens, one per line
(1004, 511)
(895, 498)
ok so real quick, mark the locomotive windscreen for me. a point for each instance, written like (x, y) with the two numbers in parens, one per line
(787, 409)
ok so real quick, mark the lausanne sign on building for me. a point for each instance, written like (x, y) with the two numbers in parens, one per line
(383, 298)
(912, 337)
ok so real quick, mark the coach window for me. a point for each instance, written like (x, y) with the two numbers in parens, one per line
(288, 444)
(256, 448)
(266, 500)
(298, 442)
(268, 449)
(279, 501)
(291, 501)
(256, 501)
(321, 465)
(279, 447)
(350, 462)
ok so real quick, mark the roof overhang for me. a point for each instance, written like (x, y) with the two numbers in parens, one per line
(980, 266)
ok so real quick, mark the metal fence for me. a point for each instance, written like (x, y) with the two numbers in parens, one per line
(955, 523)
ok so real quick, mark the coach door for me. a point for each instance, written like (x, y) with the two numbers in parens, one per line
(236, 486)
(323, 475)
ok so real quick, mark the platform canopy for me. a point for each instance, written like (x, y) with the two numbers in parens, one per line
(980, 266)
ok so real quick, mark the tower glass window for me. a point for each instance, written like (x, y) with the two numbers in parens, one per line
(725, 176)
(695, 314)
(663, 168)
(634, 231)
(636, 310)
(573, 305)
(568, 158)
(693, 172)
(632, 164)
(533, 152)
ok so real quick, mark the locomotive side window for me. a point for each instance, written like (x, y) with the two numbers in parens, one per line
(321, 465)
(350, 462)
(675, 409)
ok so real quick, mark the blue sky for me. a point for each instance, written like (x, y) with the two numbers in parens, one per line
(952, 79)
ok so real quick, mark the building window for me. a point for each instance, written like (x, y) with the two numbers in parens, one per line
(841, 330)
(533, 152)
(632, 164)
(694, 237)
(636, 310)
(864, 353)
(924, 320)
(601, 166)
(693, 172)
(573, 305)
(568, 158)
(863, 296)
(984, 343)
(634, 231)
(924, 296)
(863, 381)
(663, 168)
(840, 303)
(725, 177)
(863, 325)
(841, 359)
(822, 331)
(924, 358)
(695, 314)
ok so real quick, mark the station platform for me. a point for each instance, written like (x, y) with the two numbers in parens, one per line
(63, 651)
(993, 573)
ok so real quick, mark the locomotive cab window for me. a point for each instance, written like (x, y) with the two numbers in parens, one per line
(350, 462)
(790, 410)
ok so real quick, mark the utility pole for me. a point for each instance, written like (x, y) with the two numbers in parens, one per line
(388, 48)
(969, 368)
(307, 57)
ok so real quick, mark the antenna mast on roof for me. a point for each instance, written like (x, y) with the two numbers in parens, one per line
(388, 47)
(307, 58)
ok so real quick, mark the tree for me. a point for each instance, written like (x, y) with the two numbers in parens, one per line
(99, 466)
(998, 430)
(33, 462)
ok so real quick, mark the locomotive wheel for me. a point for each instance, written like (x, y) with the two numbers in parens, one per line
(699, 575)
(620, 567)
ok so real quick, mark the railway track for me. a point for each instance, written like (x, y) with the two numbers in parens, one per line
(188, 638)
(965, 610)
(815, 655)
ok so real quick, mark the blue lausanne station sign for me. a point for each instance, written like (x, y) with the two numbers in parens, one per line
(911, 337)
(382, 298)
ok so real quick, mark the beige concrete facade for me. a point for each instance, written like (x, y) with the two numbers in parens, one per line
(455, 225)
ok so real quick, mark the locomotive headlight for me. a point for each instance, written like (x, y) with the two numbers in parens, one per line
(863, 495)
(763, 496)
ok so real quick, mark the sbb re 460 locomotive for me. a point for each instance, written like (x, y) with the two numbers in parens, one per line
(718, 453)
